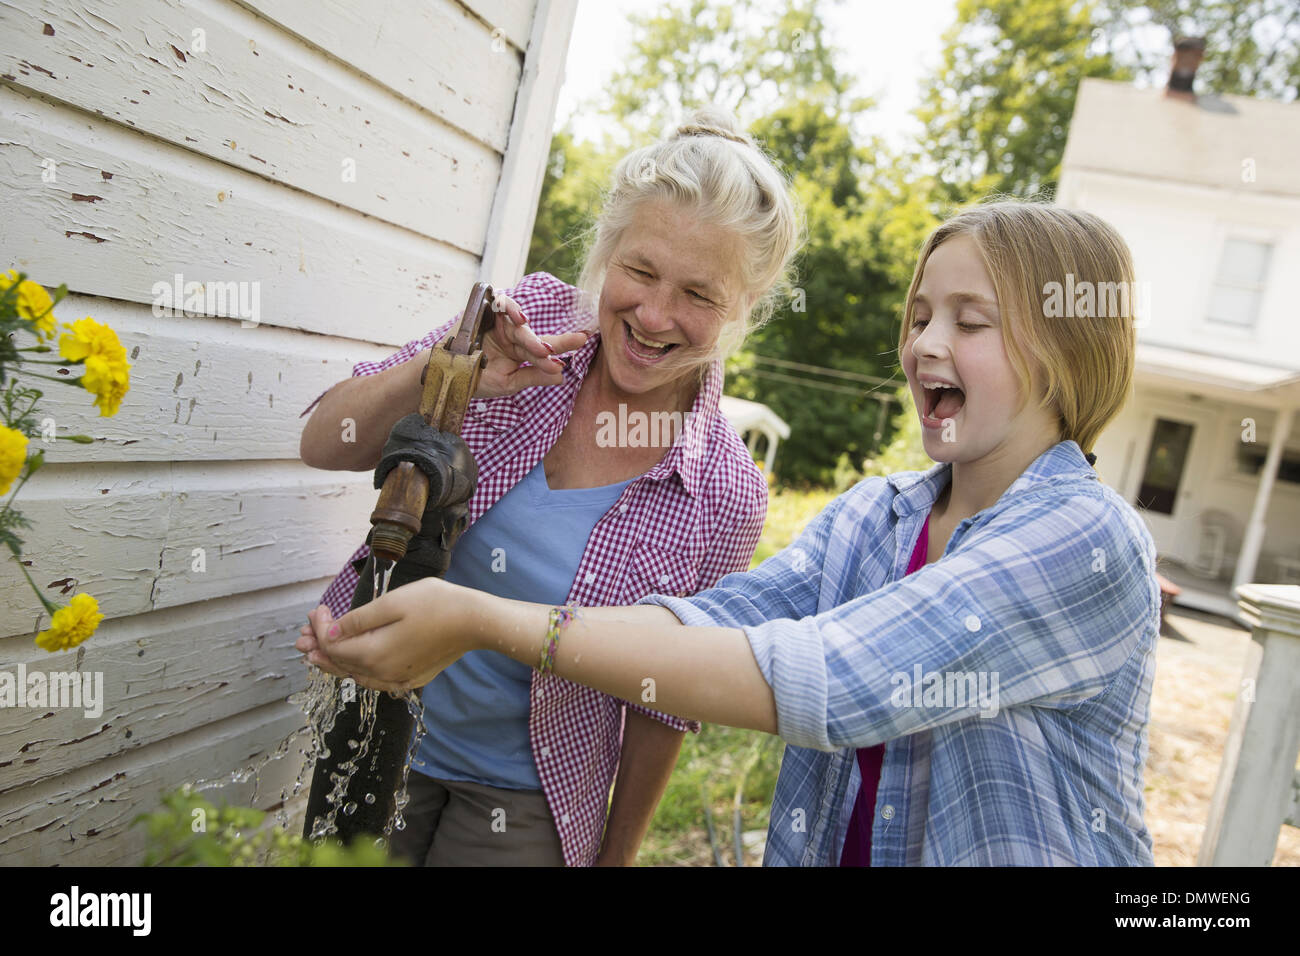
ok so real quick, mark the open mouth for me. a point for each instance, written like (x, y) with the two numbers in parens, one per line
(645, 348)
(943, 402)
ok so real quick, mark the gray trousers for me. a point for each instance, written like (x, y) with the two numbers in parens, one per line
(457, 823)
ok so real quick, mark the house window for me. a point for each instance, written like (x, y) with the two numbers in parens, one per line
(1250, 461)
(1239, 285)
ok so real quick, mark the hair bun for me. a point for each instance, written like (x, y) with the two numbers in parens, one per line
(713, 121)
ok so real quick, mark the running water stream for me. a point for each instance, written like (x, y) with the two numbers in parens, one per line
(321, 702)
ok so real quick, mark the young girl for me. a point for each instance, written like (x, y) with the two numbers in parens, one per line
(961, 659)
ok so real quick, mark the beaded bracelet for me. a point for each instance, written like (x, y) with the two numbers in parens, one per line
(559, 618)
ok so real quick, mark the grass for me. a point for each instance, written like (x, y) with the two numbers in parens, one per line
(788, 512)
(721, 765)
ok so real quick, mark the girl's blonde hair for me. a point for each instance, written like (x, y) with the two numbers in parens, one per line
(1078, 360)
(711, 167)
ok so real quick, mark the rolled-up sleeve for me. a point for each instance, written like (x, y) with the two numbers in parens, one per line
(1045, 605)
(729, 551)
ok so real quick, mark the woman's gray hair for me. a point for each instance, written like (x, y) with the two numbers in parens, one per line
(710, 166)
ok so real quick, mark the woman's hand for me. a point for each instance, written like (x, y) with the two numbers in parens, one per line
(399, 642)
(512, 343)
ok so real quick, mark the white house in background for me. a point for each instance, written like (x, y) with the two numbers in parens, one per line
(754, 420)
(1206, 191)
(359, 167)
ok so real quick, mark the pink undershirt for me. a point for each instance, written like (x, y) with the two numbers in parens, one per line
(857, 847)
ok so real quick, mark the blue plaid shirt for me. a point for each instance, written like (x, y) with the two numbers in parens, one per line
(1010, 681)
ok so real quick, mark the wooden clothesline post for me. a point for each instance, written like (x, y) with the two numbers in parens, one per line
(1256, 791)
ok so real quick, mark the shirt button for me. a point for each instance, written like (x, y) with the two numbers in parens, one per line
(972, 623)
(591, 576)
(564, 818)
(480, 406)
(622, 509)
(546, 751)
(663, 579)
(887, 811)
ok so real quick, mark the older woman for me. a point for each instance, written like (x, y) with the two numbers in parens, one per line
(600, 480)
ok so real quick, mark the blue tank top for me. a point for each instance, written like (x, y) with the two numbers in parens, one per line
(526, 547)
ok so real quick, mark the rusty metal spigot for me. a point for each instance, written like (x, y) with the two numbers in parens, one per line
(450, 380)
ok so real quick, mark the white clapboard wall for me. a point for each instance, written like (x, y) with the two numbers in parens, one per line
(360, 163)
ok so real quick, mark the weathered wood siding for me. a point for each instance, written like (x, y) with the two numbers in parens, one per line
(355, 163)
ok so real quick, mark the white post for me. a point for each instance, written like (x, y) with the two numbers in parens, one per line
(1254, 540)
(1253, 795)
(523, 167)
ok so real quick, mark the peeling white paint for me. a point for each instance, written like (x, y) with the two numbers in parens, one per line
(170, 157)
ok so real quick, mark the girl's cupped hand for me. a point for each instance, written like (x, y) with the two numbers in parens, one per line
(397, 643)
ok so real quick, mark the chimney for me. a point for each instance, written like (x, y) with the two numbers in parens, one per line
(1188, 53)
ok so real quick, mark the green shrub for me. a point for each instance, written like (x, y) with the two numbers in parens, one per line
(190, 831)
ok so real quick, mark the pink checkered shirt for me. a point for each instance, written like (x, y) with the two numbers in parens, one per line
(677, 529)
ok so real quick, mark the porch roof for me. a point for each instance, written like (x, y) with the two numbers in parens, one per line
(1218, 376)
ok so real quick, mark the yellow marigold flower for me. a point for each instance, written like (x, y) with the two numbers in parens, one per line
(107, 373)
(109, 381)
(34, 304)
(13, 452)
(89, 338)
(71, 625)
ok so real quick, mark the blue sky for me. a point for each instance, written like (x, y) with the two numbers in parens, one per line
(886, 44)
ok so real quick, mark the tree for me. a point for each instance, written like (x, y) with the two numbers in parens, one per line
(570, 198)
(1252, 46)
(996, 115)
(748, 56)
(845, 312)
(773, 65)
(997, 112)
(998, 109)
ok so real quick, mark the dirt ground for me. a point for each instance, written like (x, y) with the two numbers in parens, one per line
(1198, 673)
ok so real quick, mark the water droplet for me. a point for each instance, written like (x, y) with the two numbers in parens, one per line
(370, 798)
(350, 809)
